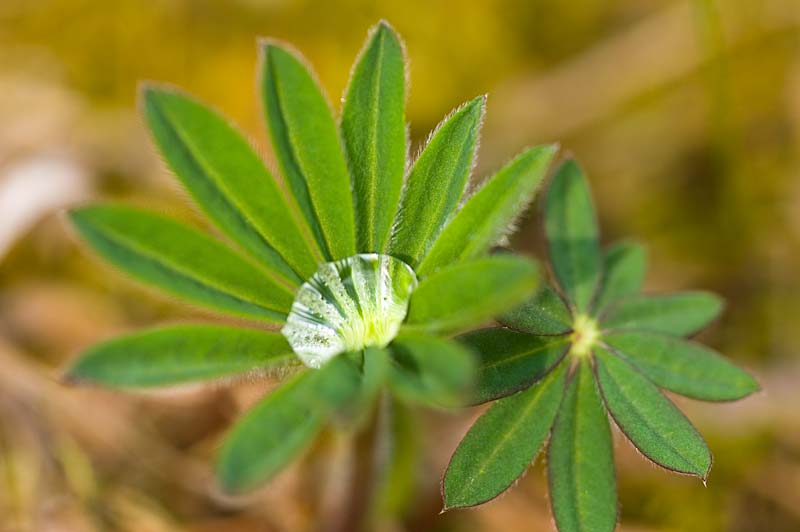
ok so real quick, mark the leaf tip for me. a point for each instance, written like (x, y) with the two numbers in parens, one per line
(448, 504)
(750, 385)
(267, 46)
(79, 216)
(74, 213)
(270, 47)
(147, 87)
(703, 476)
(479, 102)
(383, 27)
(551, 148)
(445, 507)
(150, 92)
(570, 167)
(226, 480)
(70, 378)
(718, 303)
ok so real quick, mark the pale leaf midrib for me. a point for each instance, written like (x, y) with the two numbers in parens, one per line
(515, 427)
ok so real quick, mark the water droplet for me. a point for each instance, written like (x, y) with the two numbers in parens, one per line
(348, 305)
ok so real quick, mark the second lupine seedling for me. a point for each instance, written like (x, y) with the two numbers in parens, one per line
(585, 348)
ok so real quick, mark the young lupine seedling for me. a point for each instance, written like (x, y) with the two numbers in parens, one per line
(590, 346)
(367, 268)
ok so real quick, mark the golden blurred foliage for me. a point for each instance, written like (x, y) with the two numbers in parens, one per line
(685, 113)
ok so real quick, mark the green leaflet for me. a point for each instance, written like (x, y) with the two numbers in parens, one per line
(374, 134)
(580, 460)
(229, 181)
(650, 420)
(624, 267)
(431, 370)
(680, 314)
(178, 355)
(436, 183)
(490, 212)
(308, 149)
(510, 361)
(572, 238)
(470, 293)
(181, 260)
(502, 443)
(279, 427)
(687, 368)
(545, 314)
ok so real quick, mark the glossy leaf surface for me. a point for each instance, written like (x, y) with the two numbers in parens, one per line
(502, 443)
(679, 313)
(544, 314)
(580, 463)
(649, 420)
(624, 267)
(572, 239)
(685, 367)
(509, 361)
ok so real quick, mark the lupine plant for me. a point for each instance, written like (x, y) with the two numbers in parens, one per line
(368, 263)
(587, 346)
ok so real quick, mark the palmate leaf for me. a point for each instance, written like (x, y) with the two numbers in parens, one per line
(650, 420)
(624, 267)
(489, 213)
(470, 293)
(374, 134)
(510, 361)
(436, 183)
(279, 427)
(229, 181)
(544, 314)
(580, 461)
(308, 148)
(685, 367)
(431, 370)
(679, 314)
(502, 443)
(182, 261)
(572, 239)
(179, 354)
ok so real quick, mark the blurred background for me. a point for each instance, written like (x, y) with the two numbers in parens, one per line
(686, 115)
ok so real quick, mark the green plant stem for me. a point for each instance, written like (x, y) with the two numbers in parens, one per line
(356, 507)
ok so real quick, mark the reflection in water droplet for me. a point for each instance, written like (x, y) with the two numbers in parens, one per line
(348, 305)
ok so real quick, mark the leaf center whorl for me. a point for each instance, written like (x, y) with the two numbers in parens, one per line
(585, 334)
(348, 305)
